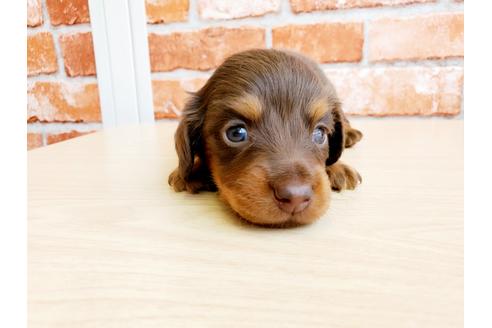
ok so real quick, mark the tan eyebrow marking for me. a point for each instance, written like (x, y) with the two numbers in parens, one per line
(248, 106)
(318, 109)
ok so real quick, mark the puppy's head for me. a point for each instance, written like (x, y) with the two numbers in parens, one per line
(262, 130)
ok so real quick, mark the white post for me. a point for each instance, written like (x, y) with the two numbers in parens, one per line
(122, 61)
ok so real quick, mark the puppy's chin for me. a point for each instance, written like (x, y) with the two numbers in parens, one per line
(284, 221)
(253, 200)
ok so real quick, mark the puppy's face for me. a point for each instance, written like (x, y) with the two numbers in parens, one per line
(262, 131)
(269, 166)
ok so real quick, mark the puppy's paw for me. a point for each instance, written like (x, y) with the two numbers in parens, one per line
(193, 186)
(176, 181)
(342, 177)
(352, 136)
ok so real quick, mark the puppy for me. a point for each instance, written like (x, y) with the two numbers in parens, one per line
(267, 131)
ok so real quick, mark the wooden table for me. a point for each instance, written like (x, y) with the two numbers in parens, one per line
(111, 245)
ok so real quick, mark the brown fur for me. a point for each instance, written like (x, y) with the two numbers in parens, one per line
(280, 97)
(342, 177)
(248, 105)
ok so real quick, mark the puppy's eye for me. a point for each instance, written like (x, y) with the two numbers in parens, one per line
(237, 134)
(319, 136)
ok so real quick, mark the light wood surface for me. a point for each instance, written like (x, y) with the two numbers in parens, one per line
(111, 245)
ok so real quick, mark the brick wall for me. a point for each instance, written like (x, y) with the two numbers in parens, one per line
(386, 57)
(62, 94)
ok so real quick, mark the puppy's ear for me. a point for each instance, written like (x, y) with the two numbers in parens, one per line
(188, 136)
(191, 174)
(336, 140)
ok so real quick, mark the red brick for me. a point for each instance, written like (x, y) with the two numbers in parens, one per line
(201, 50)
(330, 42)
(225, 9)
(52, 138)
(424, 37)
(63, 102)
(41, 56)
(166, 11)
(68, 12)
(78, 54)
(34, 13)
(171, 95)
(399, 91)
(34, 140)
(315, 5)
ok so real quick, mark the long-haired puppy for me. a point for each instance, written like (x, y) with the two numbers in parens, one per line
(266, 131)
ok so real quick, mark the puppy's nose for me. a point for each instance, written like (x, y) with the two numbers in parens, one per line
(293, 197)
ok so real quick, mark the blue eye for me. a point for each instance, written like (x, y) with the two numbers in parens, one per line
(319, 136)
(237, 133)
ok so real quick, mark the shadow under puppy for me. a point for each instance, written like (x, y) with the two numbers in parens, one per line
(267, 131)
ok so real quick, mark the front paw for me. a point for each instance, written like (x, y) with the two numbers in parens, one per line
(342, 177)
(176, 181)
(193, 185)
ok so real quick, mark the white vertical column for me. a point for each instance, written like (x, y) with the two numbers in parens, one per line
(141, 60)
(122, 61)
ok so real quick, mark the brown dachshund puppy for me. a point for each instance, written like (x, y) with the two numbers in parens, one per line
(267, 131)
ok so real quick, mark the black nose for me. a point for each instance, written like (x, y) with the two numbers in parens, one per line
(293, 197)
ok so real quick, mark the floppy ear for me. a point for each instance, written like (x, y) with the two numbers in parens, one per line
(192, 173)
(336, 140)
(188, 136)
